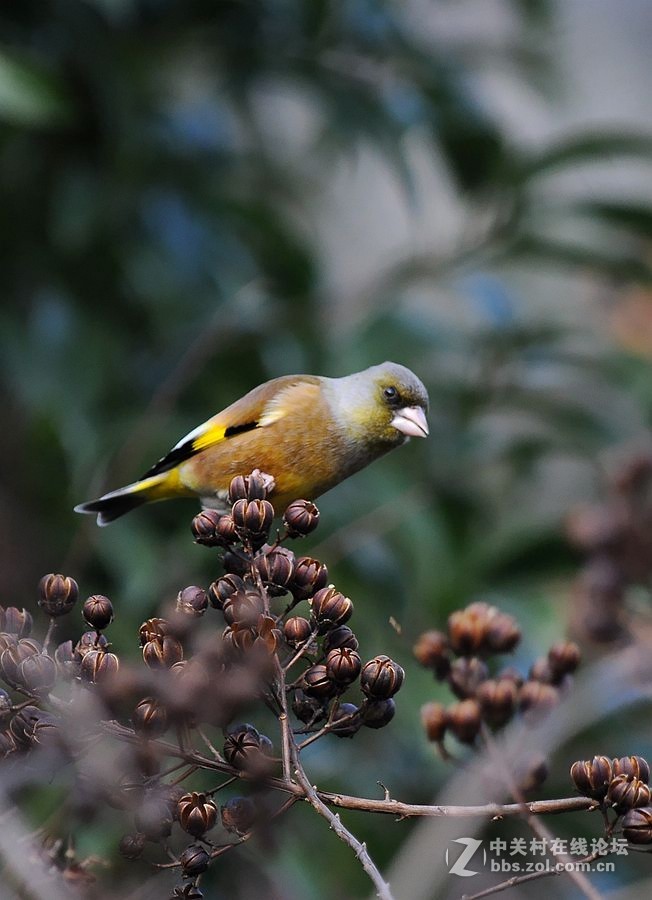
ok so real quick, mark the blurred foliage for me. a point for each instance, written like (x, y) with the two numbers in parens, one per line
(163, 171)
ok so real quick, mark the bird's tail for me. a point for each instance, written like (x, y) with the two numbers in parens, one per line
(115, 504)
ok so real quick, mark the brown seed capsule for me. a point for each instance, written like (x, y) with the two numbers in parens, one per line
(330, 608)
(245, 748)
(297, 630)
(300, 518)
(497, 700)
(378, 713)
(150, 717)
(7, 744)
(434, 719)
(244, 608)
(343, 665)
(194, 861)
(381, 678)
(204, 526)
(467, 629)
(239, 637)
(466, 675)
(235, 562)
(197, 814)
(98, 611)
(153, 817)
(464, 720)
(37, 673)
(540, 671)
(224, 588)
(152, 630)
(346, 720)
(27, 723)
(308, 709)
(253, 517)
(268, 635)
(250, 487)
(535, 697)
(625, 792)
(592, 777)
(317, 682)
(310, 576)
(162, 652)
(276, 568)
(13, 656)
(98, 666)
(342, 636)
(5, 708)
(433, 652)
(637, 825)
(503, 633)
(239, 814)
(57, 594)
(226, 533)
(18, 622)
(192, 601)
(634, 766)
(563, 659)
(88, 641)
(131, 846)
(7, 640)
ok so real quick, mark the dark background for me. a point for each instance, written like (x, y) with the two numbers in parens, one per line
(196, 196)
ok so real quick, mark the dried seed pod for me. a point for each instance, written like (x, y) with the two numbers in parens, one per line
(625, 792)
(239, 814)
(343, 665)
(381, 678)
(153, 817)
(99, 666)
(7, 640)
(318, 683)
(346, 720)
(28, 726)
(150, 717)
(535, 697)
(204, 527)
(240, 637)
(503, 633)
(378, 713)
(563, 659)
(342, 636)
(224, 588)
(635, 766)
(300, 518)
(245, 748)
(18, 622)
(152, 630)
(37, 673)
(255, 486)
(197, 814)
(434, 719)
(244, 608)
(162, 652)
(192, 601)
(497, 700)
(540, 671)
(310, 575)
(307, 709)
(432, 651)
(187, 891)
(466, 675)
(7, 744)
(57, 594)
(90, 640)
(330, 608)
(194, 861)
(253, 517)
(467, 629)
(13, 656)
(131, 846)
(464, 720)
(297, 630)
(5, 708)
(637, 825)
(276, 568)
(236, 562)
(98, 611)
(592, 777)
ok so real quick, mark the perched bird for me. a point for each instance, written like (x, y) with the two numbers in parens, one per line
(307, 431)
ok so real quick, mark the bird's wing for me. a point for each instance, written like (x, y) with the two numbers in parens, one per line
(260, 408)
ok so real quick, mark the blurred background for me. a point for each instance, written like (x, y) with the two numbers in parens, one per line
(197, 196)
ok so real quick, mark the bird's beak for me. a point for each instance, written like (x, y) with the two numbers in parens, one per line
(411, 420)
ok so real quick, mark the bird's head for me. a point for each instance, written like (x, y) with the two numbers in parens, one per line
(384, 405)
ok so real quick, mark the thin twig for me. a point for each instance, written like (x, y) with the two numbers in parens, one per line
(515, 880)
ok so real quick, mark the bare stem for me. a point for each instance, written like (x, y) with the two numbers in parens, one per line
(515, 880)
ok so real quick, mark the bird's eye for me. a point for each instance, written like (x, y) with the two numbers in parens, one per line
(390, 393)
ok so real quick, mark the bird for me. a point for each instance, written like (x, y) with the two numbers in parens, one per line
(309, 432)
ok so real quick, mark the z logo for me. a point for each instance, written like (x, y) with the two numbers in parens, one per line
(459, 866)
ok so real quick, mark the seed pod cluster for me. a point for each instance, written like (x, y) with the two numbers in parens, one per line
(464, 657)
(621, 784)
